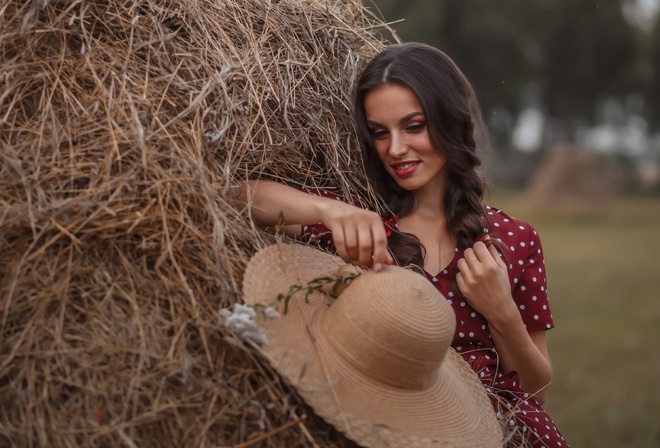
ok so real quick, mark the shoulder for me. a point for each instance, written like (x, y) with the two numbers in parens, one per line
(508, 227)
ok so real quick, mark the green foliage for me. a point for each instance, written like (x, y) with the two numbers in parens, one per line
(588, 49)
(567, 56)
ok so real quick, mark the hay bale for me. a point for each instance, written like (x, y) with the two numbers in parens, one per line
(124, 125)
(572, 179)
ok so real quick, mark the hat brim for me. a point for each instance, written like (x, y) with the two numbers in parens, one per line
(454, 411)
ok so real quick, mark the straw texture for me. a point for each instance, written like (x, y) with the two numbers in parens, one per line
(124, 126)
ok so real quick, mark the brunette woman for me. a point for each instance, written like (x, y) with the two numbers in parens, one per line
(415, 112)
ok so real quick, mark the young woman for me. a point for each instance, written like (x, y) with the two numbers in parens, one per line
(414, 111)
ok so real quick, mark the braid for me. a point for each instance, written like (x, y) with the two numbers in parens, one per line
(465, 190)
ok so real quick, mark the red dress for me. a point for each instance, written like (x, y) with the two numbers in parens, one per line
(520, 414)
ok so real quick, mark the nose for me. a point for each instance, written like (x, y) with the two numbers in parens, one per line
(398, 146)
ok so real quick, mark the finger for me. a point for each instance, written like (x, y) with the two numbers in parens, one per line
(464, 269)
(338, 240)
(460, 282)
(351, 242)
(381, 256)
(488, 261)
(471, 258)
(366, 245)
(496, 255)
(483, 253)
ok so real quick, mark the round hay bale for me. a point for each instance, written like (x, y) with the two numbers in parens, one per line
(571, 178)
(124, 126)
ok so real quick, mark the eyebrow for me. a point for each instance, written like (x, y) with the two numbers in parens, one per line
(401, 121)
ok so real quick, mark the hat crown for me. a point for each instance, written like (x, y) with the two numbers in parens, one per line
(395, 328)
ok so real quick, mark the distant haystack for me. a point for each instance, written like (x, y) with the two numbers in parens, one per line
(124, 126)
(571, 178)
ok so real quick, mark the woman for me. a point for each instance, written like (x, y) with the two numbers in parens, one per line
(414, 112)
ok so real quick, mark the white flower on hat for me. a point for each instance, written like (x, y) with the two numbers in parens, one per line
(241, 322)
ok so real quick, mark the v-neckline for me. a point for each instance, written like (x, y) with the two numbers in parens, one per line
(442, 270)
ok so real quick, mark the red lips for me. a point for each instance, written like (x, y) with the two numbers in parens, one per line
(405, 168)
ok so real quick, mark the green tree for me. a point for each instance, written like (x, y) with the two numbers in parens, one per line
(574, 53)
(589, 53)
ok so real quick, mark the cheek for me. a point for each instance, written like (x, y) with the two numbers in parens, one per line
(381, 149)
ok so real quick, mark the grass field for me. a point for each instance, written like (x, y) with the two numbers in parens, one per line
(604, 285)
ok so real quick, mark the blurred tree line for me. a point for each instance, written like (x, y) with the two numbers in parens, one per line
(567, 58)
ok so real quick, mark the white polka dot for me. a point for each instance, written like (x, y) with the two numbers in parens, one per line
(434, 280)
(471, 334)
(522, 307)
(510, 233)
(534, 298)
(461, 334)
(521, 227)
(463, 304)
(522, 244)
(536, 317)
(451, 294)
(522, 288)
(496, 224)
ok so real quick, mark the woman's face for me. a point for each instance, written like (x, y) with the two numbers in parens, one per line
(400, 135)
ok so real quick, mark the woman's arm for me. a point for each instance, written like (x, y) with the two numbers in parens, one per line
(358, 234)
(483, 280)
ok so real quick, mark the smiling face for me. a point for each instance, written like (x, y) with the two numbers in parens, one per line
(400, 135)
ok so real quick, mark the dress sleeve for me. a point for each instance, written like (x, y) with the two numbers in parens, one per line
(530, 292)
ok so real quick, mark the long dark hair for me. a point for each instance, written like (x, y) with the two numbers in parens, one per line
(451, 109)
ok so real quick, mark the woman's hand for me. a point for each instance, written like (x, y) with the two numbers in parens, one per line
(484, 281)
(358, 235)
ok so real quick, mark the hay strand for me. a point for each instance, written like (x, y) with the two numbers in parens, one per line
(124, 126)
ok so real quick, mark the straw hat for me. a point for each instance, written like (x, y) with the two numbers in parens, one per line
(376, 363)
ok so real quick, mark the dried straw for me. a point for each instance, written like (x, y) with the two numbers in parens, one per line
(124, 126)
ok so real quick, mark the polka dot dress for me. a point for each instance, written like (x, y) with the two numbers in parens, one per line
(526, 423)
